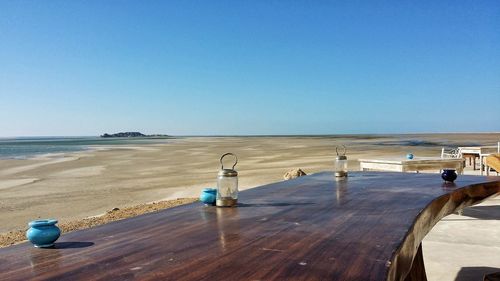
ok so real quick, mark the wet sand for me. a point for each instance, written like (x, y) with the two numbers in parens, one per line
(79, 185)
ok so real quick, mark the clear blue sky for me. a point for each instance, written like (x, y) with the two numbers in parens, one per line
(249, 67)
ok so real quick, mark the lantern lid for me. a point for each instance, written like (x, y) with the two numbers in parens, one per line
(341, 155)
(228, 173)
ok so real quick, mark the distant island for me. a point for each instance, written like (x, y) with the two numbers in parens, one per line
(130, 135)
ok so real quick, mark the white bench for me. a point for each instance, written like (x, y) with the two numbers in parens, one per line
(414, 165)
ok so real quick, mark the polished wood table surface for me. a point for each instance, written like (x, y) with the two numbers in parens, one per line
(368, 227)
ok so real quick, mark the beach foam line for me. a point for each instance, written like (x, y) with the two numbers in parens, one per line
(25, 168)
(81, 172)
(4, 184)
(116, 147)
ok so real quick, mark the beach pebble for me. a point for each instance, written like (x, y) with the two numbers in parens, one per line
(293, 173)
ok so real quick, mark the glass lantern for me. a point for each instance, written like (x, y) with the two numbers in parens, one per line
(340, 164)
(227, 185)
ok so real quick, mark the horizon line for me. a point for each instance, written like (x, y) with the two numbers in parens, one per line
(255, 135)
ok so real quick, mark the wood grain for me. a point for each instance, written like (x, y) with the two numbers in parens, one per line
(368, 227)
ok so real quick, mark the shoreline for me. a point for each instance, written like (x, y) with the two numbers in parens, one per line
(68, 145)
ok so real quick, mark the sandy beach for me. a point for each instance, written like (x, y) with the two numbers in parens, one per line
(83, 184)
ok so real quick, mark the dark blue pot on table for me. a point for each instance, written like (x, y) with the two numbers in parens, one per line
(43, 233)
(449, 175)
(208, 195)
(409, 156)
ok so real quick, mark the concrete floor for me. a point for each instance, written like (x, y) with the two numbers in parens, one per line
(463, 248)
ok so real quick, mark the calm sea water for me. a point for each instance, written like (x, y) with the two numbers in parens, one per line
(22, 148)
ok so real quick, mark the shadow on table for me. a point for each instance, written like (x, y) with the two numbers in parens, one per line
(72, 245)
(475, 273)
(483, 212)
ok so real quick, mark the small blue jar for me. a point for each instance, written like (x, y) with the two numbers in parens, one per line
(43, 233)
(208, 196)
(409, 156)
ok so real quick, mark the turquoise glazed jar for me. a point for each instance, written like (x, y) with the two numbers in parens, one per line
(43, 233)
(409, 156)
(208, 196)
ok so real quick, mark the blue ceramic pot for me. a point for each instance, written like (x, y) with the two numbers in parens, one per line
(43, 233)
(449, 175)
(409, 156)
(208, 195)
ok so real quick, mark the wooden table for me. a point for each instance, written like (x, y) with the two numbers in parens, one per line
(414, 165)
(470, 153)
(368, 227)
(477, 149)
(473, 152)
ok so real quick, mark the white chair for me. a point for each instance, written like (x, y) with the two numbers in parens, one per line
(450, 153)
(485, 152)
(487, 167)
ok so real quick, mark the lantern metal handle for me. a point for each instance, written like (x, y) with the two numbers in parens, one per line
(337, 150)
(235, 162)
